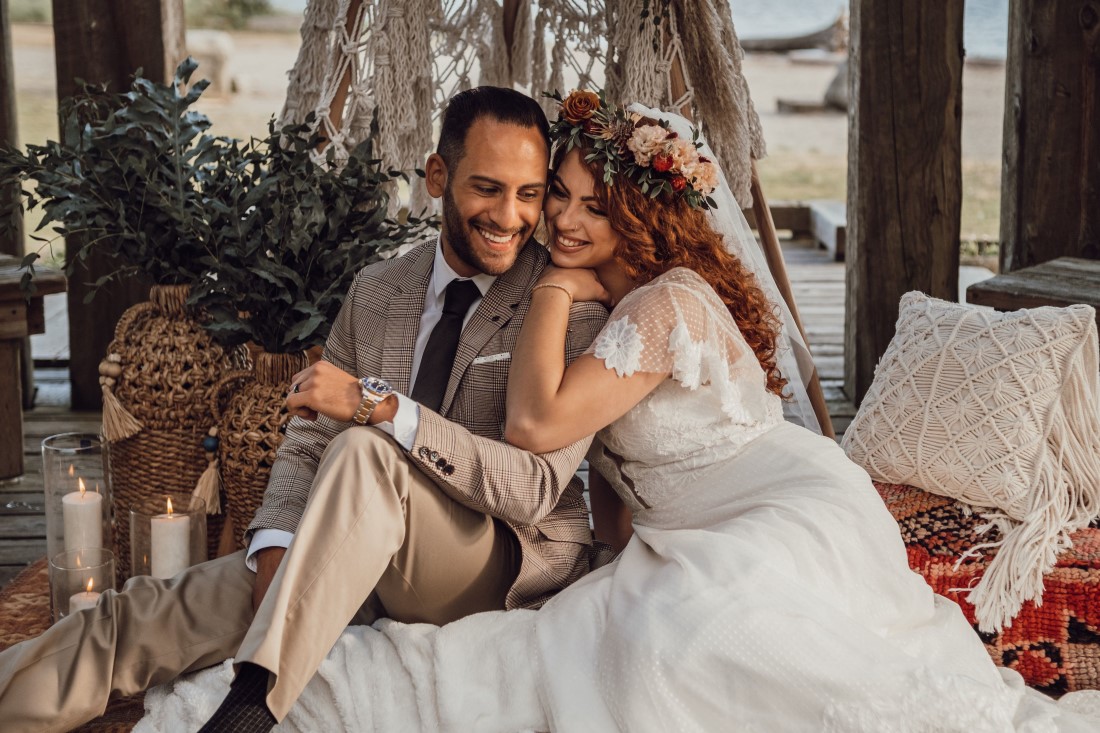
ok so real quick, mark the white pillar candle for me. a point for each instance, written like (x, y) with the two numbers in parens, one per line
(170, 543)
(83, 514)
(84, 599)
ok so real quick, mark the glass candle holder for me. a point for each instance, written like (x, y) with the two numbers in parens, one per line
(78, 578)
(77, 485)
(167, 534)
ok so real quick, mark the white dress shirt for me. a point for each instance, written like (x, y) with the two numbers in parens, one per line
(406, 421)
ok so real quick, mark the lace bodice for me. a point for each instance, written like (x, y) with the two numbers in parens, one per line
(713, 403)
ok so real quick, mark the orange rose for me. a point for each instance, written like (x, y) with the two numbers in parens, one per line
(678, 183)
(662, 162)
(579, 106)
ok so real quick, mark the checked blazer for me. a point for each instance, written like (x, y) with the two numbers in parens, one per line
(538, 497)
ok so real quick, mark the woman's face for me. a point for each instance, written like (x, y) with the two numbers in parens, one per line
(580, 234)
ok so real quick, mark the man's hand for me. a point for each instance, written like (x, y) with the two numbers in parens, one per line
(267, 562)
(324, 389)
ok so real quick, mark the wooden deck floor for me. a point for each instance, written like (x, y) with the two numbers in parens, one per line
(818, 284)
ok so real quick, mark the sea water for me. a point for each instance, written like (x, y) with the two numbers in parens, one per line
(985, 30)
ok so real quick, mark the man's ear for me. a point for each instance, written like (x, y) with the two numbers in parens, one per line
(435, 175)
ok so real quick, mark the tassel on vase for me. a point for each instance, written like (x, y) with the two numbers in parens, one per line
(209, 486)
(118, 424)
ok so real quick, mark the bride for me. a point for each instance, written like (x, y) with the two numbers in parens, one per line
(762, 584)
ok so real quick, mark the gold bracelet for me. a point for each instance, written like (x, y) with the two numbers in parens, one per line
(555, 285)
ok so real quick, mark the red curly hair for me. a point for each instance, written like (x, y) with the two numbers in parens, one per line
(658, 234)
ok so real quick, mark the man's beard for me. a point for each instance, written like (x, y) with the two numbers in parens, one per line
(458, 238)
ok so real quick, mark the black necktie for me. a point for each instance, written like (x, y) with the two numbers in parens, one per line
(439, 354)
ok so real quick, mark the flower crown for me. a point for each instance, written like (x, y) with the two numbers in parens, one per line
(640, 148)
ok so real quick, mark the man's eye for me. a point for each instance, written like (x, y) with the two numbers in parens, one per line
(486, 190)
(529, 195)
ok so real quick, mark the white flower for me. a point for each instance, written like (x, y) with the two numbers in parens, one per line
(647, 141)
(620, 346)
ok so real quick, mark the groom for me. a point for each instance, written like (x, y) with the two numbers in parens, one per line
(419, 518)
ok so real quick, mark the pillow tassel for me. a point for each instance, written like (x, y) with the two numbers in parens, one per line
(1065, 499)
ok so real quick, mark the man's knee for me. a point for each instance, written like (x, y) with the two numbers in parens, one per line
(361, 442)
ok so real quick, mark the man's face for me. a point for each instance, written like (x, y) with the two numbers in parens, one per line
(493, 198)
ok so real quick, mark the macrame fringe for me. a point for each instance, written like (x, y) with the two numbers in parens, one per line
(118, 423)
(1065, 498)
(209, 488)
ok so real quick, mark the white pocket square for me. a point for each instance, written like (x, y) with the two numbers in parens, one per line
(489, 359)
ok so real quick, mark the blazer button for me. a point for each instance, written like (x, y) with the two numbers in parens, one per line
(448, 470)
(423, 451)
(441, 463)
(433, 456)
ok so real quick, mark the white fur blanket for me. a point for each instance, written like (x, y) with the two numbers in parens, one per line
(390, 677)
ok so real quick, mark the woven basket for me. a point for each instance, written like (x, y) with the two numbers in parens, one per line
(251, 413)
(157, 378)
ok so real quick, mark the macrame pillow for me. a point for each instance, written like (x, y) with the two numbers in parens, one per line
(1000, 411)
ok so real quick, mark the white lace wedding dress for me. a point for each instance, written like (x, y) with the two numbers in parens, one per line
(766, 588)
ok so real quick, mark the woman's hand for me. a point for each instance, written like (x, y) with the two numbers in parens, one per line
(581, 283)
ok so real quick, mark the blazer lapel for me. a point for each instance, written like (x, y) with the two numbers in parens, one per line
(493, 312)
(403, 316)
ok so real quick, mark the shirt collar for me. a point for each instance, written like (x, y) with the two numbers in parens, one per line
(443, 274)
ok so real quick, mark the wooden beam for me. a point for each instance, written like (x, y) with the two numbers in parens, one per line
(904, 168)
(1050, 194)
(106, 41)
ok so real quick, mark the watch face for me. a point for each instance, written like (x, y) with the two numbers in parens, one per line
(376, 385)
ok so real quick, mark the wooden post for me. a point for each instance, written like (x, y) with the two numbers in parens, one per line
(904, 168)
(11, 244)
(1050, 194)
(107, 41)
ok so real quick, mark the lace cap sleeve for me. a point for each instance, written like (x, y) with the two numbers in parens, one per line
(676, 325)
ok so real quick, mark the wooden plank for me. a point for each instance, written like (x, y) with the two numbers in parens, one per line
(1061, 282)
(904, 168)
(1050, 191)
(21, 551)
(788, 215)
(22, 526)
(106, 41)
(829, 224)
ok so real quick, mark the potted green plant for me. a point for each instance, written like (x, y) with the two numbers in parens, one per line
(293, 228)
(135, 183)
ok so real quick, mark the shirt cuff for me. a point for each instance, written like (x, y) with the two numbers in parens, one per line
(264, 538)
(406, 422)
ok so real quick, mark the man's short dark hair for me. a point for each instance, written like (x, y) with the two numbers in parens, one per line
(497, 103)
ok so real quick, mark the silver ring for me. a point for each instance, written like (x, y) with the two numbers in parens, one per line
(295, 390)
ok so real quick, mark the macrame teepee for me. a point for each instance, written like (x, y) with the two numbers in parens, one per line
(393, 64)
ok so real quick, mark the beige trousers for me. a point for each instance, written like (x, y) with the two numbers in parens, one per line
(374, 528)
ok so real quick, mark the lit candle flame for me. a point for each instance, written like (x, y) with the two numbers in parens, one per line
(169, 505)
(91, 583)
(83, 488)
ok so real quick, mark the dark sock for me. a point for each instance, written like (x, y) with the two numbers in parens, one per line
(244, 709)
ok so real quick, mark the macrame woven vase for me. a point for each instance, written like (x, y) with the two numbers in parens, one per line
(251, 414)
(157, 378)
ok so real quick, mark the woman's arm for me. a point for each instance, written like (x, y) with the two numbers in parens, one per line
(550, 406)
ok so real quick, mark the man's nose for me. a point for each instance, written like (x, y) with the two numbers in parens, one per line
(505, 215)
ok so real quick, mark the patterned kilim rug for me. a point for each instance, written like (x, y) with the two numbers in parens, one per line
(1056, 645)
(25, 613)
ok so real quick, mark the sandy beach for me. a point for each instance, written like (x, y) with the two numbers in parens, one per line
(807, 152)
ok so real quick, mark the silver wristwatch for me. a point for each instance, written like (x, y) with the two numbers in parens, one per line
(374, 391)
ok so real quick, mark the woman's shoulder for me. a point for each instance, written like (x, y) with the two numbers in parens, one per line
(679, 284)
